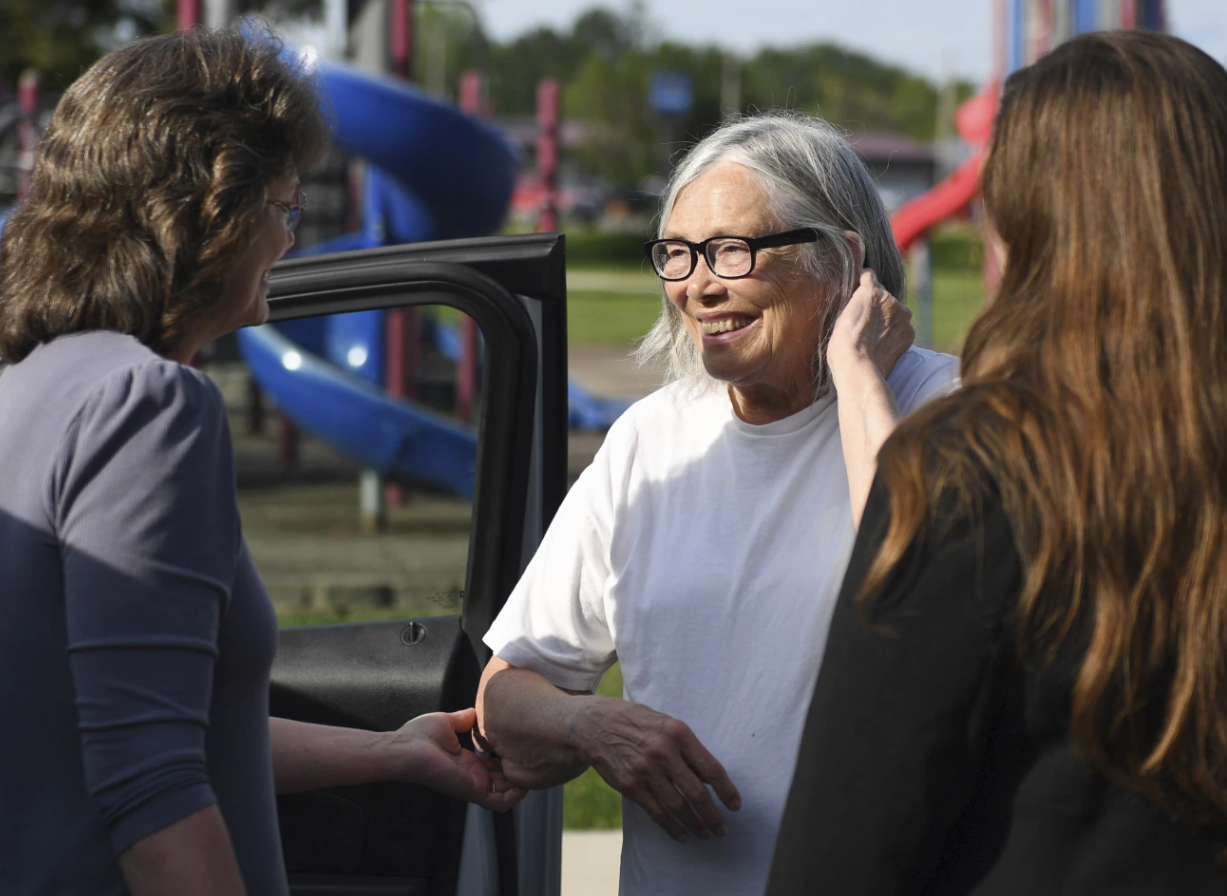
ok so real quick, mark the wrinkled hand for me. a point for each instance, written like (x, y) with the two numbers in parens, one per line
(873, 326)
(657, 761)
(434, 757)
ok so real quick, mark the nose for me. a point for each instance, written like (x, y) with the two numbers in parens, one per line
(702, 285)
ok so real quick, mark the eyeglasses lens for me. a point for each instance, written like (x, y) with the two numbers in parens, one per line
(672, 260)
(293, 216)
(729, 258)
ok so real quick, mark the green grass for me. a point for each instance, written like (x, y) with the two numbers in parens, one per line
(609, 318)
(958, 297)
(588, 802)
(600, 317)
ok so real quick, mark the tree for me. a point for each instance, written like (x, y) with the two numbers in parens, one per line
(61, 38)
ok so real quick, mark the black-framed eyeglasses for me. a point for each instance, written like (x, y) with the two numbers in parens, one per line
(293, 210)
(728, 257)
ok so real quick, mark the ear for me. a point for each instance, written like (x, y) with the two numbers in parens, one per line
(858, 249)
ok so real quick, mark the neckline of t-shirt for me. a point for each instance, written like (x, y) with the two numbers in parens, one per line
(789, 425)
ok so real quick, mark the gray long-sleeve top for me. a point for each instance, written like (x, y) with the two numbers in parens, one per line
(136, 639)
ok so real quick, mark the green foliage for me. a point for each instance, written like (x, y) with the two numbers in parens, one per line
(61, 38)
(593, 247)
(951, 248)
(605, 64)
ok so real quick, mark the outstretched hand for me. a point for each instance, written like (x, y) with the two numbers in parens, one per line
(434, 757)
(873, 326)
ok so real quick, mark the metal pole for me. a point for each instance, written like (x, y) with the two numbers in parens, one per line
(372, 509)
(219, 13)
(922, 289)
(730, 85)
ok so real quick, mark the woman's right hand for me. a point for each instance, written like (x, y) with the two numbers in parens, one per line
(657, 761)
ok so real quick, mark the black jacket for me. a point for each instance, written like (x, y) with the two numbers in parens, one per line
(933, 762)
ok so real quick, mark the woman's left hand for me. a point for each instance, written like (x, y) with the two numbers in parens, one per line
(432, 756)
(874, 326)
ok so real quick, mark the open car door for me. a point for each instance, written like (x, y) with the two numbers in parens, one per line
(396, 838)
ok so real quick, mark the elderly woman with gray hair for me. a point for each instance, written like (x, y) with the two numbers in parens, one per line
(705, 545)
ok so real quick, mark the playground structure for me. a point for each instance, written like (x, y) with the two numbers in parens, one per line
(1025, 30)
(430, 172)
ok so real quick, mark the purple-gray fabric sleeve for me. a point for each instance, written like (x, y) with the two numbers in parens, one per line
(144, 503)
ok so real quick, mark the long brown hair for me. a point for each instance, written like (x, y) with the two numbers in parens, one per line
(149, 184)
(1095, 402)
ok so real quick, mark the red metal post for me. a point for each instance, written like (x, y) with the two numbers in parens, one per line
(547, 154)
(474, 96)
(401, 326)
(473, 101)
(187, 14)
(27, 131)
(402, 343)
(1044, 37)
(401, 39)
(287, 442)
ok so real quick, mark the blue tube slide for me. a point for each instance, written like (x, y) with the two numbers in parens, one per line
(356, 418)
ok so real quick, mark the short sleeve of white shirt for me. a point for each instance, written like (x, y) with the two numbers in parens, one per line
(554, 622)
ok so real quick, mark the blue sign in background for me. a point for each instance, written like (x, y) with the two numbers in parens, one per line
(671, 93)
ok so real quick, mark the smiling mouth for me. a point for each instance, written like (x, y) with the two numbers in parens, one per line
(728, 325)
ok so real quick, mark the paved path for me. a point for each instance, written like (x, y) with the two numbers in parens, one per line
(610, 372)
(590, 862)
(642, 281)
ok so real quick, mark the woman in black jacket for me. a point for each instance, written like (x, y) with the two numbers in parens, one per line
(1025, 687)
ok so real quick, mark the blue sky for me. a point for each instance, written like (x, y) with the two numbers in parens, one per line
(929, 36)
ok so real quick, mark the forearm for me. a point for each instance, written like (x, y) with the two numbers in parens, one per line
(307, 757)
(867, 416)
(531, 725)
(192, 857)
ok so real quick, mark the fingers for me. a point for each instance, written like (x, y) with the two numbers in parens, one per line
(709, 769)
(501, 795)
(670, 779)
(687, 799)
(502, 801)
(651, 805)
(463, 720)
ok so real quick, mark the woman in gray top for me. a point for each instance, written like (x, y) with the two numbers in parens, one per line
(135, 636)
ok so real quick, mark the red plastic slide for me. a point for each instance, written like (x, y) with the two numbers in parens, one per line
(974, 121)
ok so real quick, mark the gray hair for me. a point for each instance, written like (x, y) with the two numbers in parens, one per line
(812, 178)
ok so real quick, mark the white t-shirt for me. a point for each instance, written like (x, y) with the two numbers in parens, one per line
(705, 554)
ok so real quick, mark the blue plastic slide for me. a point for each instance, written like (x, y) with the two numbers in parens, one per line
(433, 173)
(357, 418)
